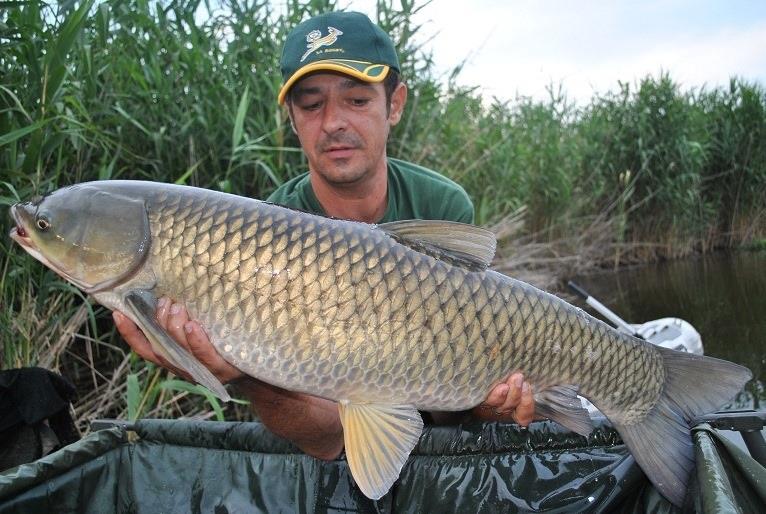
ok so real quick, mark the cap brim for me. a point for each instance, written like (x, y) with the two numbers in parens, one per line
(366, 71)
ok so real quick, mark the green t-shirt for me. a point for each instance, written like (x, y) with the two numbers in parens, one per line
(414, 192)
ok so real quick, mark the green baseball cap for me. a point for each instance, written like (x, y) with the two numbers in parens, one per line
(346, 42)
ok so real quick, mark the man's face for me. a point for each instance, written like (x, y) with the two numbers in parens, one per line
(343, 125)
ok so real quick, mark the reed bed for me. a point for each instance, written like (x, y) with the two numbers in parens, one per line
(186, 93)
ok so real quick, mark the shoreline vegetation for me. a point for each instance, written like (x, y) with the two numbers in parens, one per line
(155, 91)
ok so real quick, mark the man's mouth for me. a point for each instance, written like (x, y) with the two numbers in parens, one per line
(339, 149)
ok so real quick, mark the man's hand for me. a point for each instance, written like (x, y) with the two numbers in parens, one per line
(189, 334)
(509, 400)
(311, 423)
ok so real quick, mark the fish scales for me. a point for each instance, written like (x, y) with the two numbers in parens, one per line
(429, 322)
(382, 319)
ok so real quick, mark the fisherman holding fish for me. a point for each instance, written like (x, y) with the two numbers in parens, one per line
(379, 321)
(343, 93)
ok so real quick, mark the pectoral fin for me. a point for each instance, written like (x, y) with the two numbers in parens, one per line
(378, 440)
(142, 307)
(561, 404)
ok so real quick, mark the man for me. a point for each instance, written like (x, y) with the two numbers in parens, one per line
(343, 95)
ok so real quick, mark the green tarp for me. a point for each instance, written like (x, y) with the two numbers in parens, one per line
(161, 466)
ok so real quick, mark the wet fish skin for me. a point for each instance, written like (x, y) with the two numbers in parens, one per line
(293, 284)
(384, 322)
(401, 326)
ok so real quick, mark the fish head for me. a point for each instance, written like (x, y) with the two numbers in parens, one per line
(92, 237)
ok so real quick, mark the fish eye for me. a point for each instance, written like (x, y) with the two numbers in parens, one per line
(42, 223)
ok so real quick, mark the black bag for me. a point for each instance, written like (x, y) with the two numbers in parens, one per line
(34, 415)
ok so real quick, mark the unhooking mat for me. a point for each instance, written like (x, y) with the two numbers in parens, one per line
(161, 466)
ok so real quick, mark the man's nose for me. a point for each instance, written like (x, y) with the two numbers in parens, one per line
(334, 117)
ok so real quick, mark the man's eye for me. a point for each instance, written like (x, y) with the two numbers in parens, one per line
(359, 102)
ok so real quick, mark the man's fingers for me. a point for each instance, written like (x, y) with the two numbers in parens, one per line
(205, 352)
(140, 344)
(524, 413)
(497, 395)
(163, 310)
(134, 337)
(196, 336)
(177, 317)
(513, 397)
(187, 333)
(200, 345)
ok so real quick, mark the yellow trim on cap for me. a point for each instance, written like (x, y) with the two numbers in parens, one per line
(332, 66)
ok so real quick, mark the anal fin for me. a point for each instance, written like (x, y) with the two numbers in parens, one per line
(141, 306)
(561, 404)
(378, 440)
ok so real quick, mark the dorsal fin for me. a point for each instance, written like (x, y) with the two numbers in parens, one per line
(458, 243)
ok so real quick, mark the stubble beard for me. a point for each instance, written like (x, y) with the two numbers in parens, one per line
(341, 172)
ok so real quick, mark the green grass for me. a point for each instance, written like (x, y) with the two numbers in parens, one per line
(142, 90)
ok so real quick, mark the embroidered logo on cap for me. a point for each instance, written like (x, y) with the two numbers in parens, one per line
(316, 41)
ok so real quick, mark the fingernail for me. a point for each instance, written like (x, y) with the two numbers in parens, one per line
(188, 328)
(116, 316)
(175, 309)
(517, 380)
(504, 388)
(161, 303)
(525, 388)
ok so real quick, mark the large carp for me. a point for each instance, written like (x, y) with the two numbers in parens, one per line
(384, 319)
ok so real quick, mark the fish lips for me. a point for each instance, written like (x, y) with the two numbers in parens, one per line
(20, 213)
(19, 233)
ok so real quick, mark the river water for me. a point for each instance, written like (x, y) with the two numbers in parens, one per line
(722, 295)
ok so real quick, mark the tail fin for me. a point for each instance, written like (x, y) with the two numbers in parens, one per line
(661, 443)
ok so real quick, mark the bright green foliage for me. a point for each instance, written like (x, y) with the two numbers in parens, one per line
(688, 165)
(734, 173)
(172, 92)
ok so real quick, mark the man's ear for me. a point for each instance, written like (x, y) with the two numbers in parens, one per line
(398, 99)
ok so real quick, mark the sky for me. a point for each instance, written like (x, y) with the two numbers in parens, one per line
(514, 47)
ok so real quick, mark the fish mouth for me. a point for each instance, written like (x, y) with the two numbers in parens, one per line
(18, 233)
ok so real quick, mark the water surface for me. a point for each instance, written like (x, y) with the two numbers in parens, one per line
(723, 296)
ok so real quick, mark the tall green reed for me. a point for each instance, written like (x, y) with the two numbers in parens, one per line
(733, 176)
